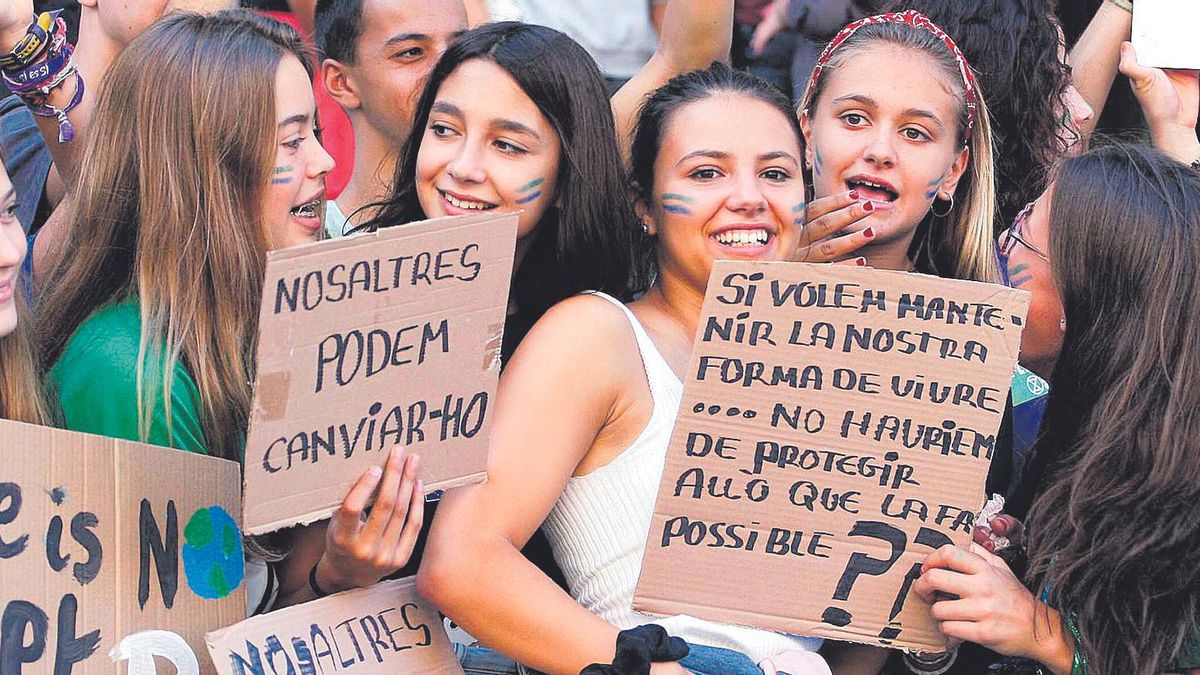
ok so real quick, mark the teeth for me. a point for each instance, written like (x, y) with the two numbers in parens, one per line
(458, 203)
(739, 238)
(308, 210)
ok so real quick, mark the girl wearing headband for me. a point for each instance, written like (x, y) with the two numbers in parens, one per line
(892, 118)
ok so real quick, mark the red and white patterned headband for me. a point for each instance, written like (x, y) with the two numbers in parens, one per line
(918, 20)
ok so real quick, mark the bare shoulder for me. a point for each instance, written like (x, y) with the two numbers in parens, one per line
(582, 334)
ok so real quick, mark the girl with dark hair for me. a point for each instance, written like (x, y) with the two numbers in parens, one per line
(516, 117)
(1114, 535)
(587, 403)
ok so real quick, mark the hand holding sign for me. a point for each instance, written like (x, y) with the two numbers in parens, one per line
(1170, 100)
(360, 551)
(976, 597)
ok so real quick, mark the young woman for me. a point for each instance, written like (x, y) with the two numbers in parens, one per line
(892, 112)
(201, 157)
(1113, 533)
(20, 387)
(588, 401)
(1016, 49)
(515, 117)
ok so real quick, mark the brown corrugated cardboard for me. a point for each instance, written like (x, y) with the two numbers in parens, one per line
(836, 426)
(369, 341)
(385, 628)
(113, 550)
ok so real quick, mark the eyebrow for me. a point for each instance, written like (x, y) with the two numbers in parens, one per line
(300, 118)
(711, 154)
(717, 154)
(910, 112)
(502, 124)
(405, 37)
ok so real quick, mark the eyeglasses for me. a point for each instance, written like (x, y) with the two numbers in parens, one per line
(1010, 238)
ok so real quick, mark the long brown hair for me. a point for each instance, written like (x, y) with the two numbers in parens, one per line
(169, 209)
(21, 396)
(1114, 527)
(960, 244)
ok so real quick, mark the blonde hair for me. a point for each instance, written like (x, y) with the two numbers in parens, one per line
(169, 210)
(959, 244)
(21, 396)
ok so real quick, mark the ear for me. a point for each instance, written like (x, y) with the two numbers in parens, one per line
(646, 215)
(950, 183)
(806, 129)
(340, 84)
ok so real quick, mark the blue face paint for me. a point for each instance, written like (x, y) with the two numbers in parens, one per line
(933, 186)
(799, 210)
(670, 203)
(818, 163)
(213, 561)
(526, 188)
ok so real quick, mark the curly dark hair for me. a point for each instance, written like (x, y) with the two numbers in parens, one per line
(1013, 47)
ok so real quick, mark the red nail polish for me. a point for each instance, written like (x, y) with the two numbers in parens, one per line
(869, 207)
(869, 233)
(861, 262)
(854, 194)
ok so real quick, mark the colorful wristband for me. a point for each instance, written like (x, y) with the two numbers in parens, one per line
(1126, 5)
(34, 44)
(1079, 663)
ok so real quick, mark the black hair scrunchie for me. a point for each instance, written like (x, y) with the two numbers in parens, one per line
(637, 648)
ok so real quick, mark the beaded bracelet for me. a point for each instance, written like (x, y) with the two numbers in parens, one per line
(1079, 663)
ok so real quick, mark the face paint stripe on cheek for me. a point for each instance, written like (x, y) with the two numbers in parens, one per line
(527, 187)
(531, 184)
(933, 186)
(818, 163)
(679, 209)
(285, 179)
(800, 213)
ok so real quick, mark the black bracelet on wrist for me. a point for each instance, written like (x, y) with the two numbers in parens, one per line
(312, 582)
(1196, 164)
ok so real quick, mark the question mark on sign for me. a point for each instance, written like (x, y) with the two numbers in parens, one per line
(861, 563)
(925, 537)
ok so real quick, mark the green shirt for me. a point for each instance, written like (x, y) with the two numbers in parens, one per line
(95, 379)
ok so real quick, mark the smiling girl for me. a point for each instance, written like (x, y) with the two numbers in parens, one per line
(587, 404)
(515, 117)
(892, 112)
(151, 323)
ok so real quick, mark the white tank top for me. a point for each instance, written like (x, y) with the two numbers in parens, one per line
(599, 525)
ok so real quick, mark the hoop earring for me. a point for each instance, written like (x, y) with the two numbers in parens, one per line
(942, 215)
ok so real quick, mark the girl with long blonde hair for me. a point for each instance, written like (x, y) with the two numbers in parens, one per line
(202, 156)
(893, 116)
(20, 388)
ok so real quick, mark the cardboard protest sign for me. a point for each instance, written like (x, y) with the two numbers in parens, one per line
(113, 551)
(385, 628)
(1164, 33)
(371, 341)
(836, 426)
